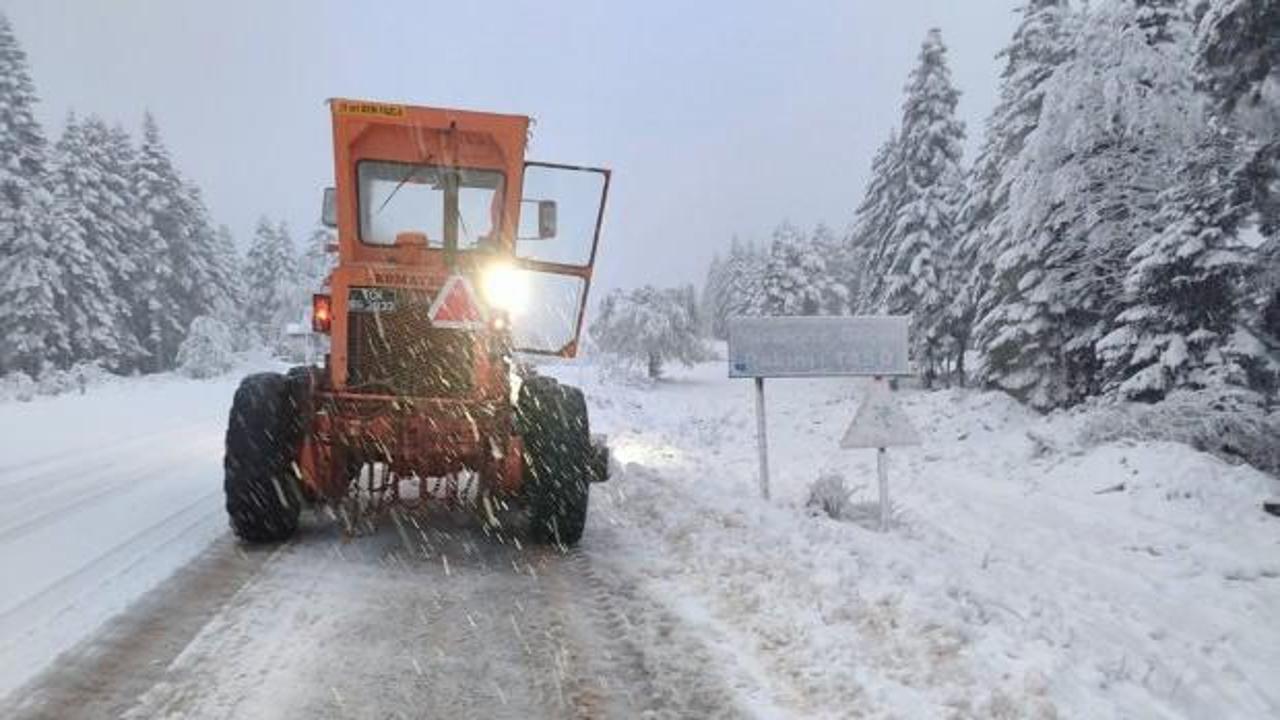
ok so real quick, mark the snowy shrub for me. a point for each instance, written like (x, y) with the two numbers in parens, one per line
(53, 381)
(17, 385)
(649, 326)
(829, 496)
(88, 374)
(1231, 424)
(207, 351)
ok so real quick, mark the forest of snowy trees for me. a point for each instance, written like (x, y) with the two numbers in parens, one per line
(109, 255)
(1117, 234)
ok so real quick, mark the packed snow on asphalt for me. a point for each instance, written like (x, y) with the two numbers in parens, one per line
(1027, 572)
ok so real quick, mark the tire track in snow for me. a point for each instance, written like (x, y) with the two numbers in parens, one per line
(93, 567)
(120, 477)
(89, 683)
(43, 610)
(380, 627)
(50, 464)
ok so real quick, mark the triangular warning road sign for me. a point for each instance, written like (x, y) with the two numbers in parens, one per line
(879, 423)
(455, 307)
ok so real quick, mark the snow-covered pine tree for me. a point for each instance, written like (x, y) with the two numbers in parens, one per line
(713, 298)
(31, 284)
(270, 281)
(833, 281)
(851, 268)
(1238, 61)
(1117, 120)
(795, 280)
(873, 220)
(293, 285)
(227, 268)
(1267, 290)
(88, 248)
(119, 222)
(315, 264)
(648, 326)
(913, 273)
(1040, 44)
(160, 293)
(207, 259)
(687, 296)
(1180, 326)
(744, 284)
(1238, 65)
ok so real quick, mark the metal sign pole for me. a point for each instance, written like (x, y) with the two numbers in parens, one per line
(762, 439)
(882, 472)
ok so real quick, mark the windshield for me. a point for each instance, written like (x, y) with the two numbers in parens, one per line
(404, 198)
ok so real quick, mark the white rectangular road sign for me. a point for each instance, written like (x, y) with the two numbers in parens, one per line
(818, 346)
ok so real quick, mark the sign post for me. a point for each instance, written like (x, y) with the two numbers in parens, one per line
(880, 424)
(762, 439)
(809, 346)
(882, 475)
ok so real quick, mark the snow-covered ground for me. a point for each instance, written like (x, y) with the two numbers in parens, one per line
(106, 494)
(1011, 586)
(1025, 575)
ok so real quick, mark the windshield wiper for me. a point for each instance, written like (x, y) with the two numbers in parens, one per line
(407, 176)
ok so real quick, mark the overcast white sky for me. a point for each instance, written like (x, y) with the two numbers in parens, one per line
(717, 118)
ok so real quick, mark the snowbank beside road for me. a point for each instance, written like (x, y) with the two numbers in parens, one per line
(106, 494)
(1026, 577)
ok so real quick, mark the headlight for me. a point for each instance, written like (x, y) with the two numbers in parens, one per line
(506, 288)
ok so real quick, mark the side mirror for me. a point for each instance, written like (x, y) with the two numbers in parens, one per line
(329, 208)
(546, 219)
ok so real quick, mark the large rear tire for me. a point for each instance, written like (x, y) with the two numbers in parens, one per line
(263, 435)
(552, 420)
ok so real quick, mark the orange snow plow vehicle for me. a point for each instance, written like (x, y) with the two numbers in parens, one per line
(454, 255)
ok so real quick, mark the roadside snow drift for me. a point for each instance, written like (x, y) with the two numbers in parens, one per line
(106, 494)
(1025, 576)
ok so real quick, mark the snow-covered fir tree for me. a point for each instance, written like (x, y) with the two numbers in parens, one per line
(1180, 326)
(1238, 61)
(1040, 44)
(182, 272)
(687, 295)
(31, 286)
(714, 298)
(744, 286)
(1238, 65)
(912, 275)
(92, 198)
(159, 292)
(315, 263)
(1268, 296)
(874, 218)
(650, 327)
(796, 280)
(208, 260)
(270, 279)
(227, 267)
(1118, 117)
(851, 267)
(838, 278)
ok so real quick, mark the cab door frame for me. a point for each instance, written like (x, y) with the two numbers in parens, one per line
(583, 272)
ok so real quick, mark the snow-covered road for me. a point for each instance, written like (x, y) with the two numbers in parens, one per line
(439, 622)
(105, 495)
(1010, 585)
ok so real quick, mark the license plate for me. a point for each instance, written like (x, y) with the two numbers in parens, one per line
(371, 300)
